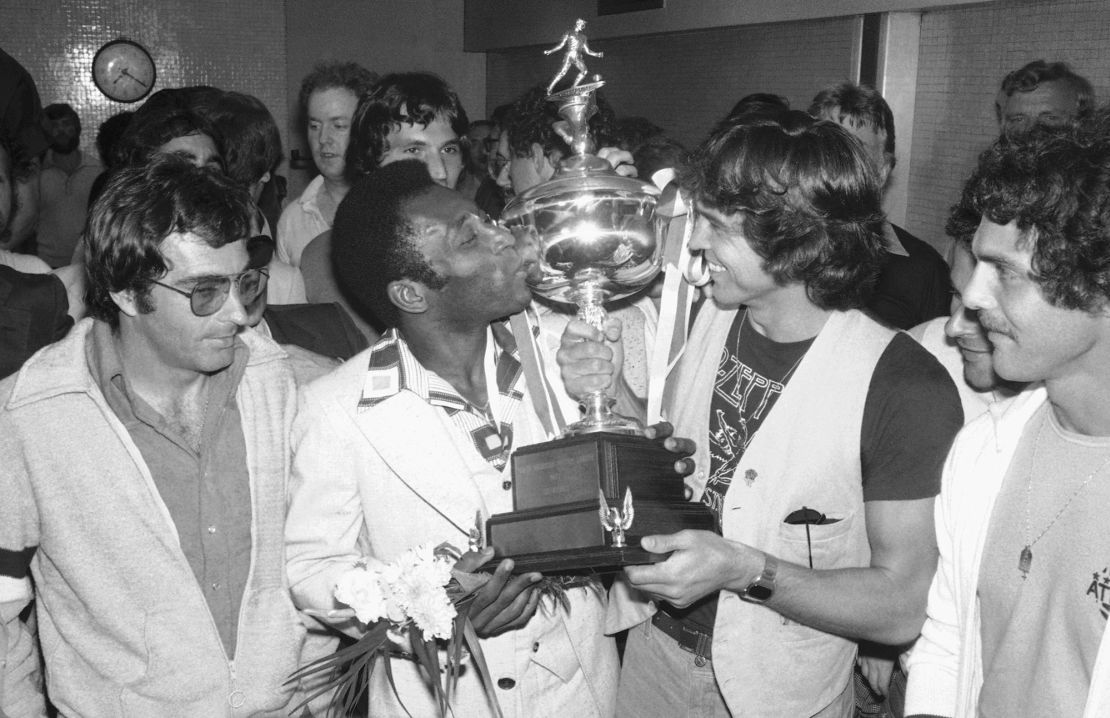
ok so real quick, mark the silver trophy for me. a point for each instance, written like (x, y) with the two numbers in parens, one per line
(596, 234)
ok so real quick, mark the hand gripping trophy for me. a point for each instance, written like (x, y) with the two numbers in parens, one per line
(575, 43)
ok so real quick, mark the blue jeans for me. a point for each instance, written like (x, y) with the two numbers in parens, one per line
(660, 679)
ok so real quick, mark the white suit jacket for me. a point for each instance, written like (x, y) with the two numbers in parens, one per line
(380, 481)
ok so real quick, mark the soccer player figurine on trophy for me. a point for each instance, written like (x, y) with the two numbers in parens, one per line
(598, 241)
(575, 43)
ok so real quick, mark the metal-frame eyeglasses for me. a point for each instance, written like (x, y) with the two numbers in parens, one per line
(208, 295)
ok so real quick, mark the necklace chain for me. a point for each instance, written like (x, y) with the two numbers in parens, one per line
(744, 401)
(1025, 561)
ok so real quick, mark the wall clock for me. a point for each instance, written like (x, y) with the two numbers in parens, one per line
(123, 70)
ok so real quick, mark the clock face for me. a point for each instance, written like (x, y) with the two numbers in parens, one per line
(123, 71)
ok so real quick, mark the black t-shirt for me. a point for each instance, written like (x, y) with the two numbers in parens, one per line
(911, 289)
(910, 416)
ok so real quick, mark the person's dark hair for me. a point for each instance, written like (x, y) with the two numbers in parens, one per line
(409, 97)
(326, 75)
(531, 119)
(149, 129)
(140, 206)
(60, 110)
(109, 134)
(372, 238)
(252, 141)
(758, 103)
(1055, 184)
(808, 199)
(631, 133)
(500, 112)
(20, 164)
(1032, 75)
(856, 106)
(6, 146)
(658, 153)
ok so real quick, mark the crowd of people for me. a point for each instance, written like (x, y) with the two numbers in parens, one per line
(218, 400)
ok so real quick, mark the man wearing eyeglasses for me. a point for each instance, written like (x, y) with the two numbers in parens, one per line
(144, 465)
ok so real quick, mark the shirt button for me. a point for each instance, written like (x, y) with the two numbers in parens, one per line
(506, 485)
(237, 699)
(535, 646)
(505, 683)
(215, 584)
(211, 529)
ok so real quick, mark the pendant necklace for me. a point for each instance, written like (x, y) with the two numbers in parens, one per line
(1025, 561)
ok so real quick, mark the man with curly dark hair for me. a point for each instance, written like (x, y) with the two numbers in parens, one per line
(820, 433)
(1020, 519)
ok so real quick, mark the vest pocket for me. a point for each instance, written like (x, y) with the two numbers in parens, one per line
(828, 544)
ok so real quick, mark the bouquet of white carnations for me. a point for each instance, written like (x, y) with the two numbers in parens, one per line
(410, 607)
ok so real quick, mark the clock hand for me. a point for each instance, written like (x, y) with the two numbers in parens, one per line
(133, 78)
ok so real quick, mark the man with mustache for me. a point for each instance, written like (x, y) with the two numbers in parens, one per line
(67, 175)
(1017, 609)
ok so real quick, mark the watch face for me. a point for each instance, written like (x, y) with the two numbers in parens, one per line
(124, 71)
(759, 592)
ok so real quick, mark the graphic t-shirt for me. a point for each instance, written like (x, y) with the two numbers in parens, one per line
(1041, 630)
(751, 375)
(911, 413)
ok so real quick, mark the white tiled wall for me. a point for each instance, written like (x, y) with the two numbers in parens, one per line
(232, 45)
(965, 53)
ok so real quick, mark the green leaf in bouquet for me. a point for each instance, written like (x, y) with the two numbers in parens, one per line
(556, 588)
(464, 585)
(427, 656)
(471, 637)
(348, 670)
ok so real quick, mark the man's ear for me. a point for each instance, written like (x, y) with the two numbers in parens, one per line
(885, 171)
(545, 164)
(126, 302)
(408, 295)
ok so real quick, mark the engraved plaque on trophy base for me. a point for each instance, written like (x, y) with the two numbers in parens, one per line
(556, 526)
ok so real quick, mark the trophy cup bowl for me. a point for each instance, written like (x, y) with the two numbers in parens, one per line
(597, 239)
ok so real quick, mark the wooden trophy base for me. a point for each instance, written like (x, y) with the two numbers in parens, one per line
(557, 526)
(598, 559)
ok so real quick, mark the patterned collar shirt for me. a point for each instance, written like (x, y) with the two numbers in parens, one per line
(393, 368)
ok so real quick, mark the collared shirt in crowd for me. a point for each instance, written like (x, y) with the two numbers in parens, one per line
(207, 493)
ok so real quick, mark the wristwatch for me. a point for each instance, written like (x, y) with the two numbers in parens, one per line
(763, 587)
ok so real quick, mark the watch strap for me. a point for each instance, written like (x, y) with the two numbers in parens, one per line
(763, 586)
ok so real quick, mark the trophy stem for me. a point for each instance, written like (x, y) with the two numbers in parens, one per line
(598, 405)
